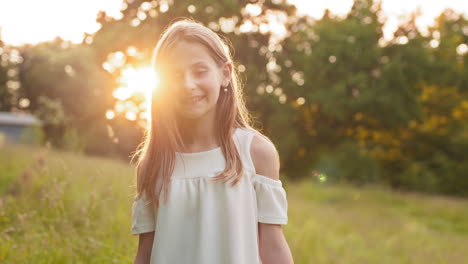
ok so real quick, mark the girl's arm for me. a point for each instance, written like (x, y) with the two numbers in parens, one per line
(145, 245)
(272, 243)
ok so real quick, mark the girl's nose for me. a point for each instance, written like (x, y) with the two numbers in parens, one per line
(189, 82)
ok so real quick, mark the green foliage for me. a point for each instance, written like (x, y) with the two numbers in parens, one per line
(74, 96)
(439, 173)
(347, 85)
(9, 84)
(53, 118)
(347, 163)
(71, 141)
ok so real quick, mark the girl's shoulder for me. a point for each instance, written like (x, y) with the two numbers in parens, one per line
(261, 151)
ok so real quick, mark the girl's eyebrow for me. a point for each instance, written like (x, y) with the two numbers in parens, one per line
(198, 63)
(193, 65)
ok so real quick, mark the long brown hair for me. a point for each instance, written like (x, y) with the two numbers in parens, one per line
(156, 154)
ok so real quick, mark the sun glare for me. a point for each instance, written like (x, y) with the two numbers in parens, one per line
(134, 83)
(136, 80)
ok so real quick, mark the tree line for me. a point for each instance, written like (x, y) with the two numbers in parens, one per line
(337, 99)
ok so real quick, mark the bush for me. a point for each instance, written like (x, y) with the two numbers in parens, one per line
(347, 163)
(438, 174)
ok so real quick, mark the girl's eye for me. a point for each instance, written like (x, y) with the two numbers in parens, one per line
(200, 72)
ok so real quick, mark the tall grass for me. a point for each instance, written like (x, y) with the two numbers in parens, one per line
(58, 207)
(65, 208)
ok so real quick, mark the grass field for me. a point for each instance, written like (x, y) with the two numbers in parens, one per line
(60, 207)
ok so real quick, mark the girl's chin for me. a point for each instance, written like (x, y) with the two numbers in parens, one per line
(194, 112)
(191, 114)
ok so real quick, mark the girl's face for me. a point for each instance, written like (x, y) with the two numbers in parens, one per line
(196, 80)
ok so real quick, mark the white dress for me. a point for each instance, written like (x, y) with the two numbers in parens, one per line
(209, 222)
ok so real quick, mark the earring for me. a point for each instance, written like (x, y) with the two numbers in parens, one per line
(225, 89)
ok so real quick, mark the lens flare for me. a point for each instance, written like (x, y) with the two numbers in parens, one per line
(135, 83)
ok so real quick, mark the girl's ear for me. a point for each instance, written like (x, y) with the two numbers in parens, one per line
(226, 70)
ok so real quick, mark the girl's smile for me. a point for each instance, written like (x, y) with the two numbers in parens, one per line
(194, 99)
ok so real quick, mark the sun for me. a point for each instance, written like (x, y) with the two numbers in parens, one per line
(136, 86)
(136, 80)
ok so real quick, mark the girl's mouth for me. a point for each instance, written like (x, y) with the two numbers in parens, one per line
(195, 99)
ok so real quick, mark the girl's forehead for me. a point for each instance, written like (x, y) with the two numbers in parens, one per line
(180, 66)
(188, 54)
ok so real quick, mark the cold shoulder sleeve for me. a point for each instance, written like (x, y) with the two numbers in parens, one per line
(272, 204)
(143, 216)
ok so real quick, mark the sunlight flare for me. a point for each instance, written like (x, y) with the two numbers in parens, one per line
(136, 80)
(136, 86)
(142, 78)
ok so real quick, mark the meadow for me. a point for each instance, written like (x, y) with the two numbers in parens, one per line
(60, 207)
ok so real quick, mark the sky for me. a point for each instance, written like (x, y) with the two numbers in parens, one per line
(33, 21)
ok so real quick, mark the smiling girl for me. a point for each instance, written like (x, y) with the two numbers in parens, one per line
(208, 187)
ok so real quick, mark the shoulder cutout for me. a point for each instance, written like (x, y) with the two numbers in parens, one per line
(265, 157)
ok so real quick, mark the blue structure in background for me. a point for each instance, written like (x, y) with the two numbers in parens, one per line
(18, 128)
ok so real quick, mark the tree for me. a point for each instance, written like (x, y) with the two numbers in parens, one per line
(70, 76)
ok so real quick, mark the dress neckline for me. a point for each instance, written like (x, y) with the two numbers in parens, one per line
(202, 153)
(198, 153)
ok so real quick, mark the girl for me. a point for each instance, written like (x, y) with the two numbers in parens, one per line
(208, 188)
